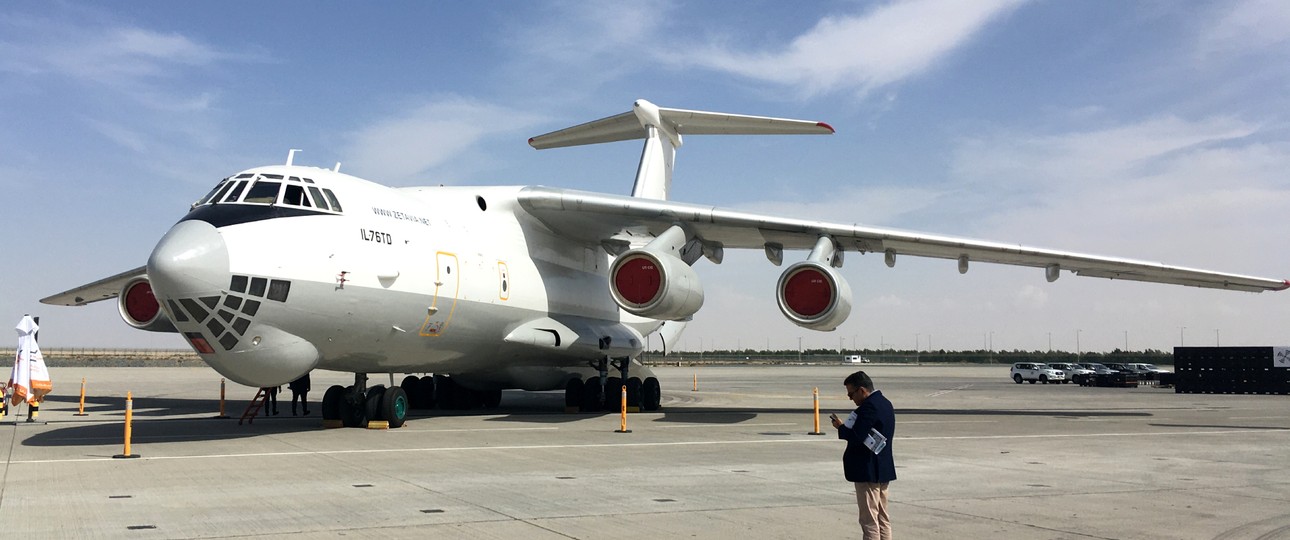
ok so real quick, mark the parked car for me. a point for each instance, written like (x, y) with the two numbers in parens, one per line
(1152, 368)
(854, 359)
(1036, 372)
(1074, 372)
(1098, 369)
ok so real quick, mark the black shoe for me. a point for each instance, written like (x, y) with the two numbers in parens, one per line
(306, 413)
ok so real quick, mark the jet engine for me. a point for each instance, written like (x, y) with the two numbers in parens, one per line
(651, 282)
(139, 308)
(812, 294)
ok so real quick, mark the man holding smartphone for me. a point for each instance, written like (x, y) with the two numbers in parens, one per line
(868, 460)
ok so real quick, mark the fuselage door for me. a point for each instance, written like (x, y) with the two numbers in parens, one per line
(446, 285)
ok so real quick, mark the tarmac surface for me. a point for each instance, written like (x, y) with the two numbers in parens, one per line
(977, 457)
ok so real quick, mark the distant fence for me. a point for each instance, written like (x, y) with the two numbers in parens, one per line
(116, 353)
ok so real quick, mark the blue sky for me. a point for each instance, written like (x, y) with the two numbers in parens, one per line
(1151, 130)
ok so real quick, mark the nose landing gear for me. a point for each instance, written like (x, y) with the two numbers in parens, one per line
(357, 405)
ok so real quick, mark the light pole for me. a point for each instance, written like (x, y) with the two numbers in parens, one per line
(1077, 351)
(1050, 342)
(916, 341)
(1126, 341)
(841, 343)
(1216, 338)
(799, 349)
(1182, 337)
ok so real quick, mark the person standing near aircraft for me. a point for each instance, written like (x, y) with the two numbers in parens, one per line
(271, 400)
(868, 459)
(300, 390)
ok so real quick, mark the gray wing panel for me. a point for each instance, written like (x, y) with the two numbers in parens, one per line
(597, 217)
(102, 289)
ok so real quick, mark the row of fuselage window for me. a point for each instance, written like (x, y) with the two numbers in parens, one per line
(272, 189)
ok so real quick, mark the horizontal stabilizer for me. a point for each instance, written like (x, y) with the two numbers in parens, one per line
(628, 125)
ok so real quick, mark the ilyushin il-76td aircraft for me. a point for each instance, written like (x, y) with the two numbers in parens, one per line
(284, 269)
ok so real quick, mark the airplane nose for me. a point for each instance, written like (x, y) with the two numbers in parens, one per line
(191, 260)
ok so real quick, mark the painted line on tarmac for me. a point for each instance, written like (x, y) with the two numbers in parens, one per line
(943, 392)
(814, 440)
(728, 425)
(903, 422)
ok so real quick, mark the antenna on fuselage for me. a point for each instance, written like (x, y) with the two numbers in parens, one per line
(336, 168)
(291, 155)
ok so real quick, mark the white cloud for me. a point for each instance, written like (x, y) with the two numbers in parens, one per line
(401, 147)
(1248, 26)
(860, 53)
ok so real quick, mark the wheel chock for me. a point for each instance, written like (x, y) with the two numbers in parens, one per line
(332, 424)
(378, 424)
(633, 409)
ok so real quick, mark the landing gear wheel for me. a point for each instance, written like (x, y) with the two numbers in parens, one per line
(394, 406)
(651, 394)
(573, 393)
(592, 399)
(411, 386)
(1017, 378)
(372, 403)
(445, 392)
(353, 413)
(613, 394)
(331, 402)
(634, 386)
(428, 393)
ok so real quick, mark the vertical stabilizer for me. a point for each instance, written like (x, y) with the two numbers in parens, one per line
(662, 129)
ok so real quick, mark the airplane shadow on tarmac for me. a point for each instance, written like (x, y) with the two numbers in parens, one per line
(180, 420)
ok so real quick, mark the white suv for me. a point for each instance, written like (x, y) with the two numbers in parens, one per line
(1034, 371)
(1074, 372)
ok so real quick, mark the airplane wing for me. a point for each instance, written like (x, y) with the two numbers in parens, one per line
(616, 221)
(102, 289)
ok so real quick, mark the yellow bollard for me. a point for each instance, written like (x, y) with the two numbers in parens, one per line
(129, 417)
(81, 409)
(221, 399)
(622, 426)
(696, 383)
(815, 396)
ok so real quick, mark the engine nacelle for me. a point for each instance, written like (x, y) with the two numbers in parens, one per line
(651, 283)
(139, 307)
(813, 295)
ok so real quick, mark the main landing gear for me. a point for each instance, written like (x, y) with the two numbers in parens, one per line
(601, 393)
(356, 405)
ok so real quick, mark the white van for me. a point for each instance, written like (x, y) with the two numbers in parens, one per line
(854, 359)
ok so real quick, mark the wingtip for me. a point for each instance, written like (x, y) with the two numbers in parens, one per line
(1284, 285)
(826, 126)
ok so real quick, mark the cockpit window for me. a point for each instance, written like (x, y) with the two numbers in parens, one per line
(295, 196)
(222, 185)
(272, 189)
(237, 191)
(318, 197)
(331, 198)
(263, 192)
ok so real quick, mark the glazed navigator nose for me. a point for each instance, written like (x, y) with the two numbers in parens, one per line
(191, 260)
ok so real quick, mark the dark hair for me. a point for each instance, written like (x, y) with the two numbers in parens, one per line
(860, 380)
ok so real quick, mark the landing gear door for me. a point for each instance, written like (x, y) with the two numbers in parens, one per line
(446, 286)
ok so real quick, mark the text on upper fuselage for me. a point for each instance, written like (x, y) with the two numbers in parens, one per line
(400, 215)
(376, 236)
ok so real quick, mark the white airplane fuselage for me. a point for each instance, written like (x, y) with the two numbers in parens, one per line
(402, 280)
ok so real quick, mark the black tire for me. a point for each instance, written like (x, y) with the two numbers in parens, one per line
(372, 403)
(331, 402)
(613, 394)
(1043, 379)
(352, 414)
(592, 399)
(429, 393)
(394, 406)
(573, 393)
(444, 392)
(634, 385)
(411, 386)
(1017, 378)
(651, 394)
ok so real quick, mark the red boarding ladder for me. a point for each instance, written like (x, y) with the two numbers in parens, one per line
(254, 407)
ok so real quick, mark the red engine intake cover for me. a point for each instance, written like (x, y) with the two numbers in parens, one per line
(139, 302)
(808, 292)
(638, 280)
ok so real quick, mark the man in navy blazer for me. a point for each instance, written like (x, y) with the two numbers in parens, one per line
(871, 471)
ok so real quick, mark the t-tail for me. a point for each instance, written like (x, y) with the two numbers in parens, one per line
(662, 130)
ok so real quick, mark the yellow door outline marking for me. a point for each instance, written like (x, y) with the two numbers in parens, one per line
(436, 328)
(504, 281)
